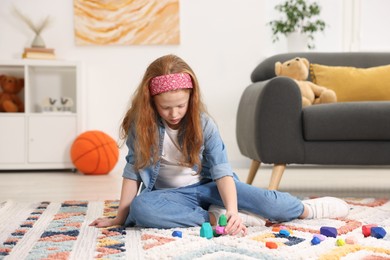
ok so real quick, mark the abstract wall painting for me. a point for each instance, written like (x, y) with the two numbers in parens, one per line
(126, 22)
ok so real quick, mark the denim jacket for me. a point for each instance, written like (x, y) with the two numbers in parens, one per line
(213, 156)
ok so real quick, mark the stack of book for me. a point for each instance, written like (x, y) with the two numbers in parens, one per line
(38, 53)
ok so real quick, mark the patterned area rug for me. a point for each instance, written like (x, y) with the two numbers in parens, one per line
(53, 230)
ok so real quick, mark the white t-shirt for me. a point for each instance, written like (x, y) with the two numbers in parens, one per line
(172, 174)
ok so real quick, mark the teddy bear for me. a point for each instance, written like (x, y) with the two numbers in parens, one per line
(9, 99)
(298, 69)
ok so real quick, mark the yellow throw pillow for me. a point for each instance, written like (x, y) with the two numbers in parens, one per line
(353, 84)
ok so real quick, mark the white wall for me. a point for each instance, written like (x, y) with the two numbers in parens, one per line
(223, 40)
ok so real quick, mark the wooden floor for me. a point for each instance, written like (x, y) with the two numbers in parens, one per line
(307, 181)
(58, 186)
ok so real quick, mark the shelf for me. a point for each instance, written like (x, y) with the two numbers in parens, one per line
(41, 137)
(52, 87)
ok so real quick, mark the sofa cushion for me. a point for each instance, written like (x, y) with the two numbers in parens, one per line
(347, 121)
(354, 84)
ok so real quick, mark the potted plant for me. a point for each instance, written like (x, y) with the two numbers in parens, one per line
(301, 18)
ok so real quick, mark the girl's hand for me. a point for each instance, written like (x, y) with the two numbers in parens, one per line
(104, 222)
(235, 224)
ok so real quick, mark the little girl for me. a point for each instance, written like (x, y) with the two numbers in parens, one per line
(177, 154)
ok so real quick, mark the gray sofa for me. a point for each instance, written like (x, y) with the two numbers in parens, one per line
(273, 128)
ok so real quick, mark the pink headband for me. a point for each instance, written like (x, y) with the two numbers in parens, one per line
(165, 83)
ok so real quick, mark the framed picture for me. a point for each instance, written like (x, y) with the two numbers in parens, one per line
(126, 22)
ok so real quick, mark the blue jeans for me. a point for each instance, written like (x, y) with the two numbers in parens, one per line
(187, 206)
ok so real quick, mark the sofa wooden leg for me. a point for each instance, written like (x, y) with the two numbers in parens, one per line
(277, 173)
(252, 171)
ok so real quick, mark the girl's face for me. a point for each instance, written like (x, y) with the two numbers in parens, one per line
(172, 106)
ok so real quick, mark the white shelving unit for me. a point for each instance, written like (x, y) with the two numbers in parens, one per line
(41, 137)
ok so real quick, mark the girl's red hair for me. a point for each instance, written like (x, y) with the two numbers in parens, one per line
(142, 116)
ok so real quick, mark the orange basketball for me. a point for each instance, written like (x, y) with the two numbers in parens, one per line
(94, 152)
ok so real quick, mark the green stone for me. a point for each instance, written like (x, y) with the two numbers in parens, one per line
(222, 220)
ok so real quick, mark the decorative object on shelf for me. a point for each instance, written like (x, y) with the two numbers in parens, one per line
(66, 104)
(124, 22)
(94, 153)
(9, 99)
(299, 24)
(47, 104)
(37, 29)
(39, 53)
(62, 104)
